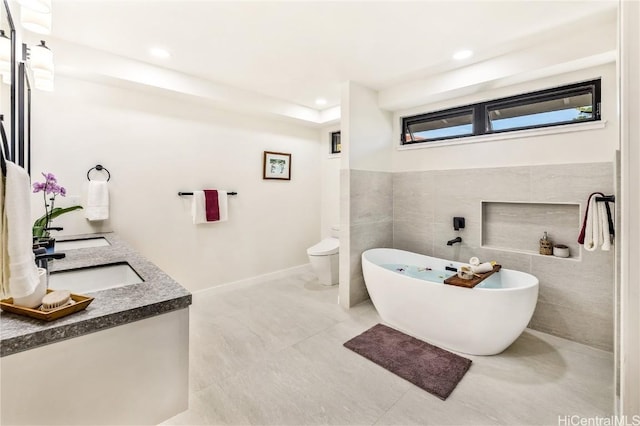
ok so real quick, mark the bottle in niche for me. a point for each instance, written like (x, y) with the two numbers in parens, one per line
(546, 246)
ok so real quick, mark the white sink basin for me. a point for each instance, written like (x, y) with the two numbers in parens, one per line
(83, 243)
(95, 278)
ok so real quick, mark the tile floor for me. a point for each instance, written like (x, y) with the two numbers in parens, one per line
(272, 354)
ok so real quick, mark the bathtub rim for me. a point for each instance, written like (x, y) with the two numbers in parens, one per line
(531, 280)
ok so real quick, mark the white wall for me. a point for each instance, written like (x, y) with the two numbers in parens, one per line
(330, 177)
(155, 146)
(578, 147)
(366, 134)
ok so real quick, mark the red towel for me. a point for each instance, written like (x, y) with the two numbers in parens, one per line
(211, 206)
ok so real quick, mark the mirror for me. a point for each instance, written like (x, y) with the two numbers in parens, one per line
(23, 157)
(8, 77)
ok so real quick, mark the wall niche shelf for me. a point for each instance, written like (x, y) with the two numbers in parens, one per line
(518, 226)
(572, 257)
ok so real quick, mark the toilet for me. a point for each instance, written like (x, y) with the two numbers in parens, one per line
(324, 258)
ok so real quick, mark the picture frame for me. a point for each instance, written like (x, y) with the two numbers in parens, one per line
(276, 165)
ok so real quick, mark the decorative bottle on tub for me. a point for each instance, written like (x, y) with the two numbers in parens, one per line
(546, 246)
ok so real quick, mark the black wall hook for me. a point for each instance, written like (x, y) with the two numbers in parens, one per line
(606, 199)
(99, 167)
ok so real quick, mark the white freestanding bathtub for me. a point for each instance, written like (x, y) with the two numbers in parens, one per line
(408, 292)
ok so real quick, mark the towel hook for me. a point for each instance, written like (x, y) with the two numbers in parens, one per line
(606, 199)
(99, 167)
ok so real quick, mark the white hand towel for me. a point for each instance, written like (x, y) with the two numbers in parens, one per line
(97, 200)
(596, 231)
(223, 206)
(603, 225)
(591, 232)
(198, 212)
(23, 278)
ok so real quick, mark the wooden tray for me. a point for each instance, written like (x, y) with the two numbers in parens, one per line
(81, 303)
(456, 280)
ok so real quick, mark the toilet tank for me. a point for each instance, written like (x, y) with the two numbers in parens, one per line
(335, 231)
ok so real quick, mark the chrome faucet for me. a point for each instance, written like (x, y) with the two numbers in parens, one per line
(455, 240)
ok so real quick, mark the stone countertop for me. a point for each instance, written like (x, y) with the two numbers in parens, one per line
(112, 307)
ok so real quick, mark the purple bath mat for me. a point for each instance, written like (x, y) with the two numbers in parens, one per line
(433, 369)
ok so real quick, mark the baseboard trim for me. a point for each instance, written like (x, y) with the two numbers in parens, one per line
(258, 279)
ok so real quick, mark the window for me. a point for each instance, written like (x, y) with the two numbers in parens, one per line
(336, 147)
(435, 126)
(552, 107)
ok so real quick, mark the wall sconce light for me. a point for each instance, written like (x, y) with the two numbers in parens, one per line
(37, 22)
(42, 6)
(5, 57)
(41, 58)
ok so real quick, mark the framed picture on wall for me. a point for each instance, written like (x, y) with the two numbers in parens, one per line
(276, 165)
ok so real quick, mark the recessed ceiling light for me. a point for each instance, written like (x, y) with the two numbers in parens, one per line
(462, 54)
(321, 101)
(159, 52)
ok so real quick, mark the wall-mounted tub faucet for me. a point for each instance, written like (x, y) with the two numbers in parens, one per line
(455, 240)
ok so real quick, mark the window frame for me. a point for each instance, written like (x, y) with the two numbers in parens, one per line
(332, 136)
(439, 115)
(480, 118)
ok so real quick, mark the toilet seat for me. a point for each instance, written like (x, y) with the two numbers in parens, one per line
(325, 247)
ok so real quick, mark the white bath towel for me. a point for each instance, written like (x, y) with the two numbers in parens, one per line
(23, 273)
(198, 212)
(596, 232)
(199, 207)
(97, 207)
(4, 244)
(223, 206)
(603, 225)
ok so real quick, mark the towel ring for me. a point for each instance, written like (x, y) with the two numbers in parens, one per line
(99, 168)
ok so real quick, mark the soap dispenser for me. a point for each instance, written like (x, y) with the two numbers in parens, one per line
(546, 246)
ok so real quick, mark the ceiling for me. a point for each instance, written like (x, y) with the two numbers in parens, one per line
(298, 51)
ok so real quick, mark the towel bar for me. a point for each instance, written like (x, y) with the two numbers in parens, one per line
(191, 193)
(606, 199)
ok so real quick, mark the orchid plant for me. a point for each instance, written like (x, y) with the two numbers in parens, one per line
(50, 188)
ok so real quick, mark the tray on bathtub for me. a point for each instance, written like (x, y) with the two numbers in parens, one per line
(477, 279)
